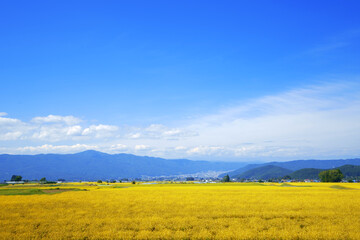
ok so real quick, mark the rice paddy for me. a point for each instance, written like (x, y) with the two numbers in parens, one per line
(181, 211)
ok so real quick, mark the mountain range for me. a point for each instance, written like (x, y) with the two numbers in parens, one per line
(292, 166)
(299, 170)
(94, 165)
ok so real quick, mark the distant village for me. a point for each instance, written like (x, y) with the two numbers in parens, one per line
(171, 179)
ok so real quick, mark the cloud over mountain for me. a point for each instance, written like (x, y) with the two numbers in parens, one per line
(321, 121)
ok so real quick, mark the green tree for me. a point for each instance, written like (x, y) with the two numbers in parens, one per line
(99, 181)
(16, 178)
(43, 180)
(334, 175)
(287, 177)
(226, 178)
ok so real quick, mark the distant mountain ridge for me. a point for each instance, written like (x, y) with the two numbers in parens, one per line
(297, 165)
(93, 165)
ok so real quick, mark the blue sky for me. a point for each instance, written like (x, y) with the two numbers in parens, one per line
(181, 79)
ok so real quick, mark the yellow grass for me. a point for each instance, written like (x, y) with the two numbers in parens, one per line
(185, 211)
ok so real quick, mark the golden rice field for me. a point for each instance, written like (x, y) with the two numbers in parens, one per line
(183, 211)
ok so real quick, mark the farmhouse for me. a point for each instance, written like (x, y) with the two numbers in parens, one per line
(15, 182)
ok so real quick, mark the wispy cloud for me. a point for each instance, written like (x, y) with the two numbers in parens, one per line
(321, 121)
(311, 121)
(324, 48)
(338, 41)
(48, 148)
(69, 120)
(159, 131)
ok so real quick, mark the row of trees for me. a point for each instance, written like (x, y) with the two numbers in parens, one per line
(18, 178)
(334, 175)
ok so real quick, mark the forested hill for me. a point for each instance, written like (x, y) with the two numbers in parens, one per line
(274, 172)
(306, 173)
(264, 172)
(93, 165)
(313, 173)
(299, 164)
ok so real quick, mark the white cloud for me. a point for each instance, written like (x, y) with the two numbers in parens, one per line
(134, 135)
(141, 147)
(10, 135)
(206, 150)
(12, 129)
(48, 148)
(52, 129)
(159, 131)
(2, 114)
(69, 120)
(314, 122)
(74, 130)
(100, 131)
(180, 148)
(5, 121)
(118, 146)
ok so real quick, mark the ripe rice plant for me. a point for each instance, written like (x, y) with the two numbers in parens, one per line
(185, 211)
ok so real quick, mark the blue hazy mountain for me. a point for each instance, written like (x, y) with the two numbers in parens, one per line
(93, 165)
(298, 164)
